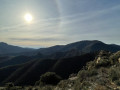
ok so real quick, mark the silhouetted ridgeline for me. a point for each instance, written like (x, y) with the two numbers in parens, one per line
(29, 73)
(64, 60)
(81, 46)
(10, 49)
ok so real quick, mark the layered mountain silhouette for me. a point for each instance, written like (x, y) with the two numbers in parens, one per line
(9, 49)
(25, 69)
(29, 73)
(14, 60)
(81, 46)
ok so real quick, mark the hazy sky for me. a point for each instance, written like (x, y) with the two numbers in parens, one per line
(59, 21)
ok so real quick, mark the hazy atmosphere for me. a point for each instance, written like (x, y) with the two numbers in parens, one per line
(59, 45)
(41, 23)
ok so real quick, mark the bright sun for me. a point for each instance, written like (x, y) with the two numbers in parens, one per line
(28, 17)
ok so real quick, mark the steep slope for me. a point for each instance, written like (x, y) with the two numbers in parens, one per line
(4, 58)
(7, 71)
(30, 72)
(63, 60)
(101, 74)
(15, 60)
(65, 67)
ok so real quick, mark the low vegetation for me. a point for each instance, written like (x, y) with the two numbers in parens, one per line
(49, 78)
(101, 74)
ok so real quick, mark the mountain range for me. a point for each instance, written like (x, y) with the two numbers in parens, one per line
(10, 49)
(24, 66)
(85, 46)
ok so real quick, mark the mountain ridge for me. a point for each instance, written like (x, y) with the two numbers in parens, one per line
(59, 59)
(7, 49)
(85, 46)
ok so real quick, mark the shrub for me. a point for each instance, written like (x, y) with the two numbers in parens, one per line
(66, 84)
(114, 74)
(83, 74)
(103, 63)
(48, 88)
(77, 86)
(117, 82)
(10, 84)
(100, 87)
(90, 65)
(44, 88)
(114, 58)
(49, 78)
(37, 83)
(92, 72)
(82, 86)
(63, 83)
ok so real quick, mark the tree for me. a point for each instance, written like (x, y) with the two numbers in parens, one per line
(49, 78)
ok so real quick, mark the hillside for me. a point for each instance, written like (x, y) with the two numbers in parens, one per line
(29, 73)
(101, 74)
(81, 47)
(14, 60)
(86, 46)
(10, 49)
(63, 60)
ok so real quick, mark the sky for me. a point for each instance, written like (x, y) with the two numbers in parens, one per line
(59, 22)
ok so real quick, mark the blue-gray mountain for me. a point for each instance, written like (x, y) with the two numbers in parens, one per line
(10, 49)
(62, 59)
(81, 46)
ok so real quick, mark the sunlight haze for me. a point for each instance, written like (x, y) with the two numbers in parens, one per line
(58, 21)
(28, 17)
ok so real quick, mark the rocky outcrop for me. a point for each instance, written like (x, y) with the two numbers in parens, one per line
(103, 55)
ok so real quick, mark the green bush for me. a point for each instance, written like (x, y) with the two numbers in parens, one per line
(10, 84)
(49, 78)
(78, 85)
(117, 82)
(114, 74)
(46, 88)
(90, 65)
(114, 58)
(92, 72)
(82, 85)
(83, 74)
(37, 83)
(65, 84)
(100, 87)
(103, 63)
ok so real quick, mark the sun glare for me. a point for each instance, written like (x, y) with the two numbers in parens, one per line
(28, 17)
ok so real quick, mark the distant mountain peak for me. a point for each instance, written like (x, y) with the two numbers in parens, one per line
(94, 41)
(10, 49)
(2, 43)
(87, 41)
